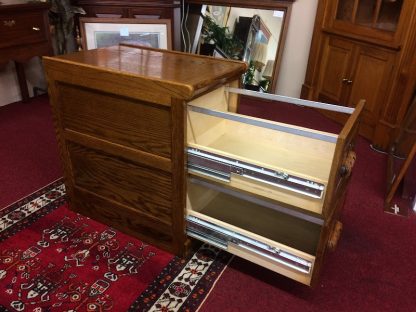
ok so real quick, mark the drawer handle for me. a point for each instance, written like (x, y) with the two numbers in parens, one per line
(36, 28)
(348, 164)
(9, 23)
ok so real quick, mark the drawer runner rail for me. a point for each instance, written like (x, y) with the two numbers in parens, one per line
(221, 167)
(221, 238)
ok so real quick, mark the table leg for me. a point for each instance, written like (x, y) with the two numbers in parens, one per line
(20, 70)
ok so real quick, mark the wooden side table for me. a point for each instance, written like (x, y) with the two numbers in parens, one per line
(24, 33)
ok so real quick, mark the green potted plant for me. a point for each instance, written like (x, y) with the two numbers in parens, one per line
(214, 36)
(249, 80)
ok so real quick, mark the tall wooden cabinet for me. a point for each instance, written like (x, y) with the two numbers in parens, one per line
(365, 50)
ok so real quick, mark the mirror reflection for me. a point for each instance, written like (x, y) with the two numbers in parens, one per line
(247, 34)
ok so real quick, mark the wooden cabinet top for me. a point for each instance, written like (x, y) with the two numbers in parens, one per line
(179, 75)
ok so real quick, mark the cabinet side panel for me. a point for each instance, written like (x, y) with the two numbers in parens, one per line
(132, 123)
(180, 243)
(122, 218)
(54, 100)
(142, 189)
(116, 154)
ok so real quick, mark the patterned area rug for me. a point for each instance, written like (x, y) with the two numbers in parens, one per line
(52, 259)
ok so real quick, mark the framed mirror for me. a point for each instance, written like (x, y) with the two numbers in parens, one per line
(251, 31)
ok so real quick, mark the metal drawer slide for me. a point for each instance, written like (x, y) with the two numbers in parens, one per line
(221, 167)
(221, 237)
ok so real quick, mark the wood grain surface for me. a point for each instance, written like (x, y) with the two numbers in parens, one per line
(141, 188)
(121, 217)
(119, 115)
(137, 124)
(168, 73)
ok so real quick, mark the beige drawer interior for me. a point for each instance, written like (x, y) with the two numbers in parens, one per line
(284, 243)
(299, 154)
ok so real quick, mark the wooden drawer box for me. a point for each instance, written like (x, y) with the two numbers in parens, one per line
(253, 229)
(154, 148)
(263, 190)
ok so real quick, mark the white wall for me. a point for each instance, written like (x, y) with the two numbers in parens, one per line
(9, 86)
(296, 52)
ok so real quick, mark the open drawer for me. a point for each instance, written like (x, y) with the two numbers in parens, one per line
(259, 231)
(286, 163)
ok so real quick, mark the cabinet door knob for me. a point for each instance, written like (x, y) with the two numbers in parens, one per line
(35, 28)
(9, 23)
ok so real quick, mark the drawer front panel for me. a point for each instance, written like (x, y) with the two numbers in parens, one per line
(138, 125)
(277, 259)
(142, 189)
(22, 28)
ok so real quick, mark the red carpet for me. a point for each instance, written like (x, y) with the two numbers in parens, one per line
(372, 268)
(52, 259)
(28, 150)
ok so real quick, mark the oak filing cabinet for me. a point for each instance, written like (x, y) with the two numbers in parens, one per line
(151, 145)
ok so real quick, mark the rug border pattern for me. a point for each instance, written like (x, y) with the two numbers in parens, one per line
(28, 210)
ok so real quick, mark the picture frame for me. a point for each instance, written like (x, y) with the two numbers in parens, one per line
(99, 32)
(218, 53)
(219, 14)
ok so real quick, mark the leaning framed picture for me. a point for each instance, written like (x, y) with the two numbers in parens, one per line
(104, 32)
(219, 14)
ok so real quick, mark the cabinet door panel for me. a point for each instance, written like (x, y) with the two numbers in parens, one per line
(372, 70)
(380, 21)
(334, 68)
